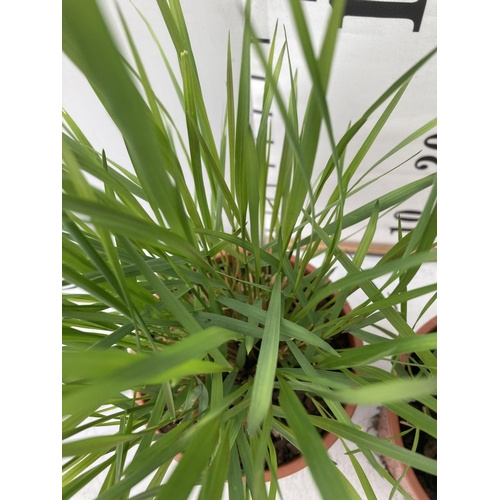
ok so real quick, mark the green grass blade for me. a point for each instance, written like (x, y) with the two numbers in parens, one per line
(99, 60)
(193, 462)
(213, 483)
(391, 314)
(366, 240)
(405, 142)
(288, 328)
(121, 222)
(214, 166)
(78, 465)
(164, 450)
(363, 479)
(97, 444)
(370, 353)
(385, 202)
(242, 121)
(182, 315)
(163, 56)
(252, 169)
(112, 371)
(230, 116)
(331, 483)
(356, 277)
(92, 254)
(353, 130)
(365, 440)
(386, 392)
(72, 488)
(367, 144)
(266, 366)
(194, 145)
(95, 290)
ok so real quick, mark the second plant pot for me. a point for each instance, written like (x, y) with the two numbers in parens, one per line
(389, 425)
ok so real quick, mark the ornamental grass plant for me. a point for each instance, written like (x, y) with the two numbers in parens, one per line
(181, 312)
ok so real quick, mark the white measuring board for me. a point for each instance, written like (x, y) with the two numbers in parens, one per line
(378, 42)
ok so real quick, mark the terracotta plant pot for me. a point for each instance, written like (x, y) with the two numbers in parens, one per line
(389, 426)
(328, 439)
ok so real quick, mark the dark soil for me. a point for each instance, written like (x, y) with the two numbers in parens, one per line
(427, 445)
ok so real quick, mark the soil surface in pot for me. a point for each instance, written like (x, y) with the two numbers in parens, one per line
(427, 445)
